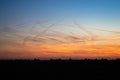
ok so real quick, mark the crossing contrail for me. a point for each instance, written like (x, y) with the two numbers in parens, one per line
(40, 33)
(43, 32)
(31, 29)
(91, 34)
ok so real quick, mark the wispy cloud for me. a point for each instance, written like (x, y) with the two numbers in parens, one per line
(115, 32)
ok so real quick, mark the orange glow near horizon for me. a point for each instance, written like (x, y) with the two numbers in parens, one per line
(75, 50)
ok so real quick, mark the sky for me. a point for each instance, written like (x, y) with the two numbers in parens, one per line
(63, 29)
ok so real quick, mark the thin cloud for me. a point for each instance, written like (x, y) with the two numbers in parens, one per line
(116, 32)
(31, 30)
(56, 40)
(92, 36)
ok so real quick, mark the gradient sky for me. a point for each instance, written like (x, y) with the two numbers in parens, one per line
(59, 29)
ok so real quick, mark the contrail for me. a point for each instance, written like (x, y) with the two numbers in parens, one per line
(116, 32)
(68, 37)
(54, 39)
(92, 36)
(31, 29)
(82, 28)
(43, 32)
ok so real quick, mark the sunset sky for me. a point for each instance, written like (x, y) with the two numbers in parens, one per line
(63, 29)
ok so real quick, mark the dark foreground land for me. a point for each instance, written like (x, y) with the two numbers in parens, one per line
(60, 69)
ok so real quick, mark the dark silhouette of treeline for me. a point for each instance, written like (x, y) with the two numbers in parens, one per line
(60, 61)
(98, 69)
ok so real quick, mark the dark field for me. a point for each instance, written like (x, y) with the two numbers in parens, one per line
(60, 69)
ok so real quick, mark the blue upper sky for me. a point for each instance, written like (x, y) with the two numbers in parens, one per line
(98, 12)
